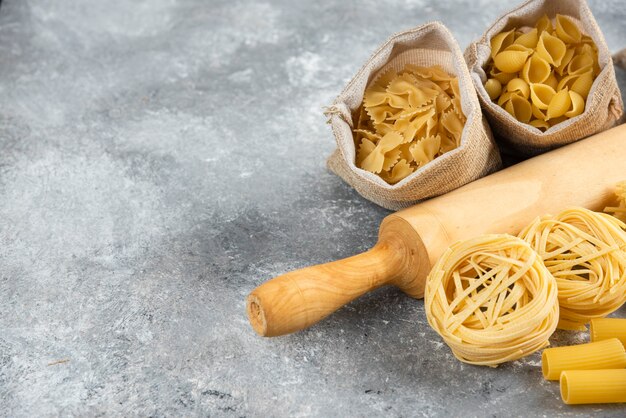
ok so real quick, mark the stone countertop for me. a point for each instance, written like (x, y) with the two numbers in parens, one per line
(161, 158)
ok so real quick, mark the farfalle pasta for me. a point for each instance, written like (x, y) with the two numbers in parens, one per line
(408, 119)
(542, 75)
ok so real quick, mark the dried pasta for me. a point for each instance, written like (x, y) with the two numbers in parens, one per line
(557, 64)
(593, 386)
(492, 300)
(605, 328)
(619, 211)
(586, 253)
(407, 120)
(607, 354)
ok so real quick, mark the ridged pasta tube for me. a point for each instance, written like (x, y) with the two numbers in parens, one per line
(605, 328)
(593, 386)
(607, 354)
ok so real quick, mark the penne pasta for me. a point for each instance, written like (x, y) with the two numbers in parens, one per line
(605, 328)
(593, 386)
(606, 354)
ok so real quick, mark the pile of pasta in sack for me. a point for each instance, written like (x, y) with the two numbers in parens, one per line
(422, 118)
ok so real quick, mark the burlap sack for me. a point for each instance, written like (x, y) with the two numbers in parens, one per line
(604, 105)
(477, 155)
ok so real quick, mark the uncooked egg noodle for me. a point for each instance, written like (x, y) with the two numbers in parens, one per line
(586, 253)
(492, 300)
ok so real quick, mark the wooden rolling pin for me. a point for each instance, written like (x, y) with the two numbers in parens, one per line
(410, 241)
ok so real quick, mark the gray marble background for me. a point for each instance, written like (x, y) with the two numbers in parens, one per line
(158, 160)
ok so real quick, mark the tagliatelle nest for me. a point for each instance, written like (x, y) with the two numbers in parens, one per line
(619, 211)
(492, 300)
(586, 253)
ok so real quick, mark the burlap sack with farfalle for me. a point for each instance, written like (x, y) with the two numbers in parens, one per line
(477, 156)
(604, 105)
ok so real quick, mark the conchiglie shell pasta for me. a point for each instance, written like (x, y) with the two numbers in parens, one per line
(541, 95)
(567, 30)
(519, 108)
(494, 88)
(566, 74)
(559, 104)
(519, 85)
(551, 48)
(506, 96)
(552, 81)
(556, 121)
(502, 77)
(501, 41)
(578, 105)
(580, 64)
(583, 83)
(536, 70)
(544, 25)
(528, 39)
(510, 61)
(540, 124)
(538, 113)
(569, 54)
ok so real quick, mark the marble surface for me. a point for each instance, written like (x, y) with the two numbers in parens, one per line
(161, 158)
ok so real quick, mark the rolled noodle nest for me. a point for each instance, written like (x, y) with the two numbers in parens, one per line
(586, 253)
(619, 211)
(492, 300)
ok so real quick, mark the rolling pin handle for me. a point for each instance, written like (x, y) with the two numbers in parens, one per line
(299, 299)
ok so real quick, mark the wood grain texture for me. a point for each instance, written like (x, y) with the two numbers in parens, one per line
(411, 241)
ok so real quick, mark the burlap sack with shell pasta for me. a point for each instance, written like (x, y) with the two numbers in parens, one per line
(477, 155)
(604, 104)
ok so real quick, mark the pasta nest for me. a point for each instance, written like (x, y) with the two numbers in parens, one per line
(619, 211)
(492, 300)
(585, 252)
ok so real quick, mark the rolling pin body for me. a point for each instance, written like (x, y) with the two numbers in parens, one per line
(410, 241)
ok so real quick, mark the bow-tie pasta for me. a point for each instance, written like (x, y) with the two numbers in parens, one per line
(407, 120)
(542, 75)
